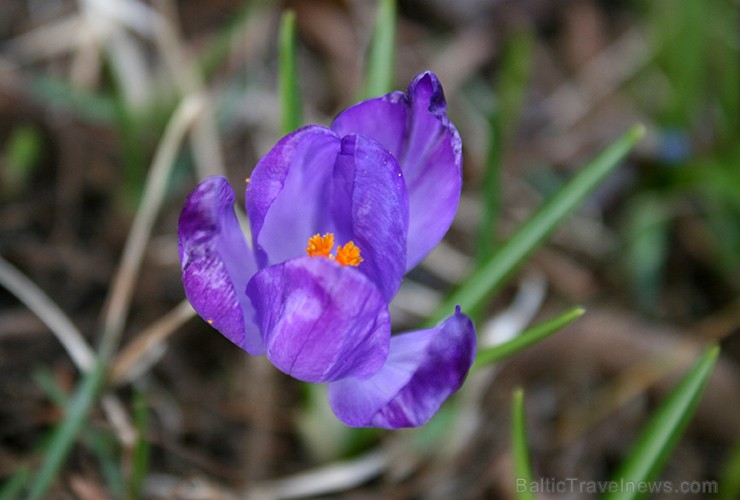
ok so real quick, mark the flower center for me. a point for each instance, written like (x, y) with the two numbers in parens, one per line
(321, 246)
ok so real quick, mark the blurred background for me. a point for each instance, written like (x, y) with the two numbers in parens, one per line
(102, 102)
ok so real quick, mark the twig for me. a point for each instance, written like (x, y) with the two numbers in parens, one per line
(143, 352)
(204, 139)
(332, 478)
(117, 304)
(511, 322)
(132, 14)
(119, 298)
(120, 420)
(68, 335)
(50, 40)
(58, 322)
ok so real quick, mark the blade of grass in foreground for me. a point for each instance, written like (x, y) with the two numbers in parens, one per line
(382, 59)
(14, 485)
(488, 278)
(65, 434)
(99, 442)
(491, 199)
(662, 432)
(729, 484)
(526, 338)
(140, 466)
(88, 390)
(522, 465)
(290, 98)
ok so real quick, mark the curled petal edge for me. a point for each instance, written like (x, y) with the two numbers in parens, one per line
(423, 370)
(414, 127)
(217, 263)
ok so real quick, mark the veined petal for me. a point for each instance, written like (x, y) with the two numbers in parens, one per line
(423, 369)
(320, 321)
(313, 182)
(217, 263)
(287, 194)
(385, 119)
(370, 208)
(414, 127)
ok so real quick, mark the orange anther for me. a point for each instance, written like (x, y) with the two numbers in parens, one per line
(349, 254)
(320, 246)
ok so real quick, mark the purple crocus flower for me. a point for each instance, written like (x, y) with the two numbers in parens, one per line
(383, 183)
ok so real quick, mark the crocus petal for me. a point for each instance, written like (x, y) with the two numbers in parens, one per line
(370, 207)
(320, 321)
(217, 263)
(287, 195)
(423, 369)
(314, 182)
(414, 127)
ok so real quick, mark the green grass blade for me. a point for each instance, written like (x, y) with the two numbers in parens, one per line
(98, 442)
(381, 61)
(527, 338)
(219, 46)
(104, 446)
(20, 156)
(516, 62)
(65, 434)
(14, 485)
(133, 153)
(141, 448)
(494, 273)
(290, 97)
(729, 484)
(491, 199)
(680, 32)
(46, 381)
(95, 108)
(646, 248)
(522, 465)
(723, 71)
(516, 68)
(664, 429)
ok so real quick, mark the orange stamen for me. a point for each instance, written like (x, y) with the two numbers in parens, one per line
(320, 246)
(349, 254)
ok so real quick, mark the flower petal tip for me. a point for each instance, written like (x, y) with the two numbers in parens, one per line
(423, 370)
(217, 263)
